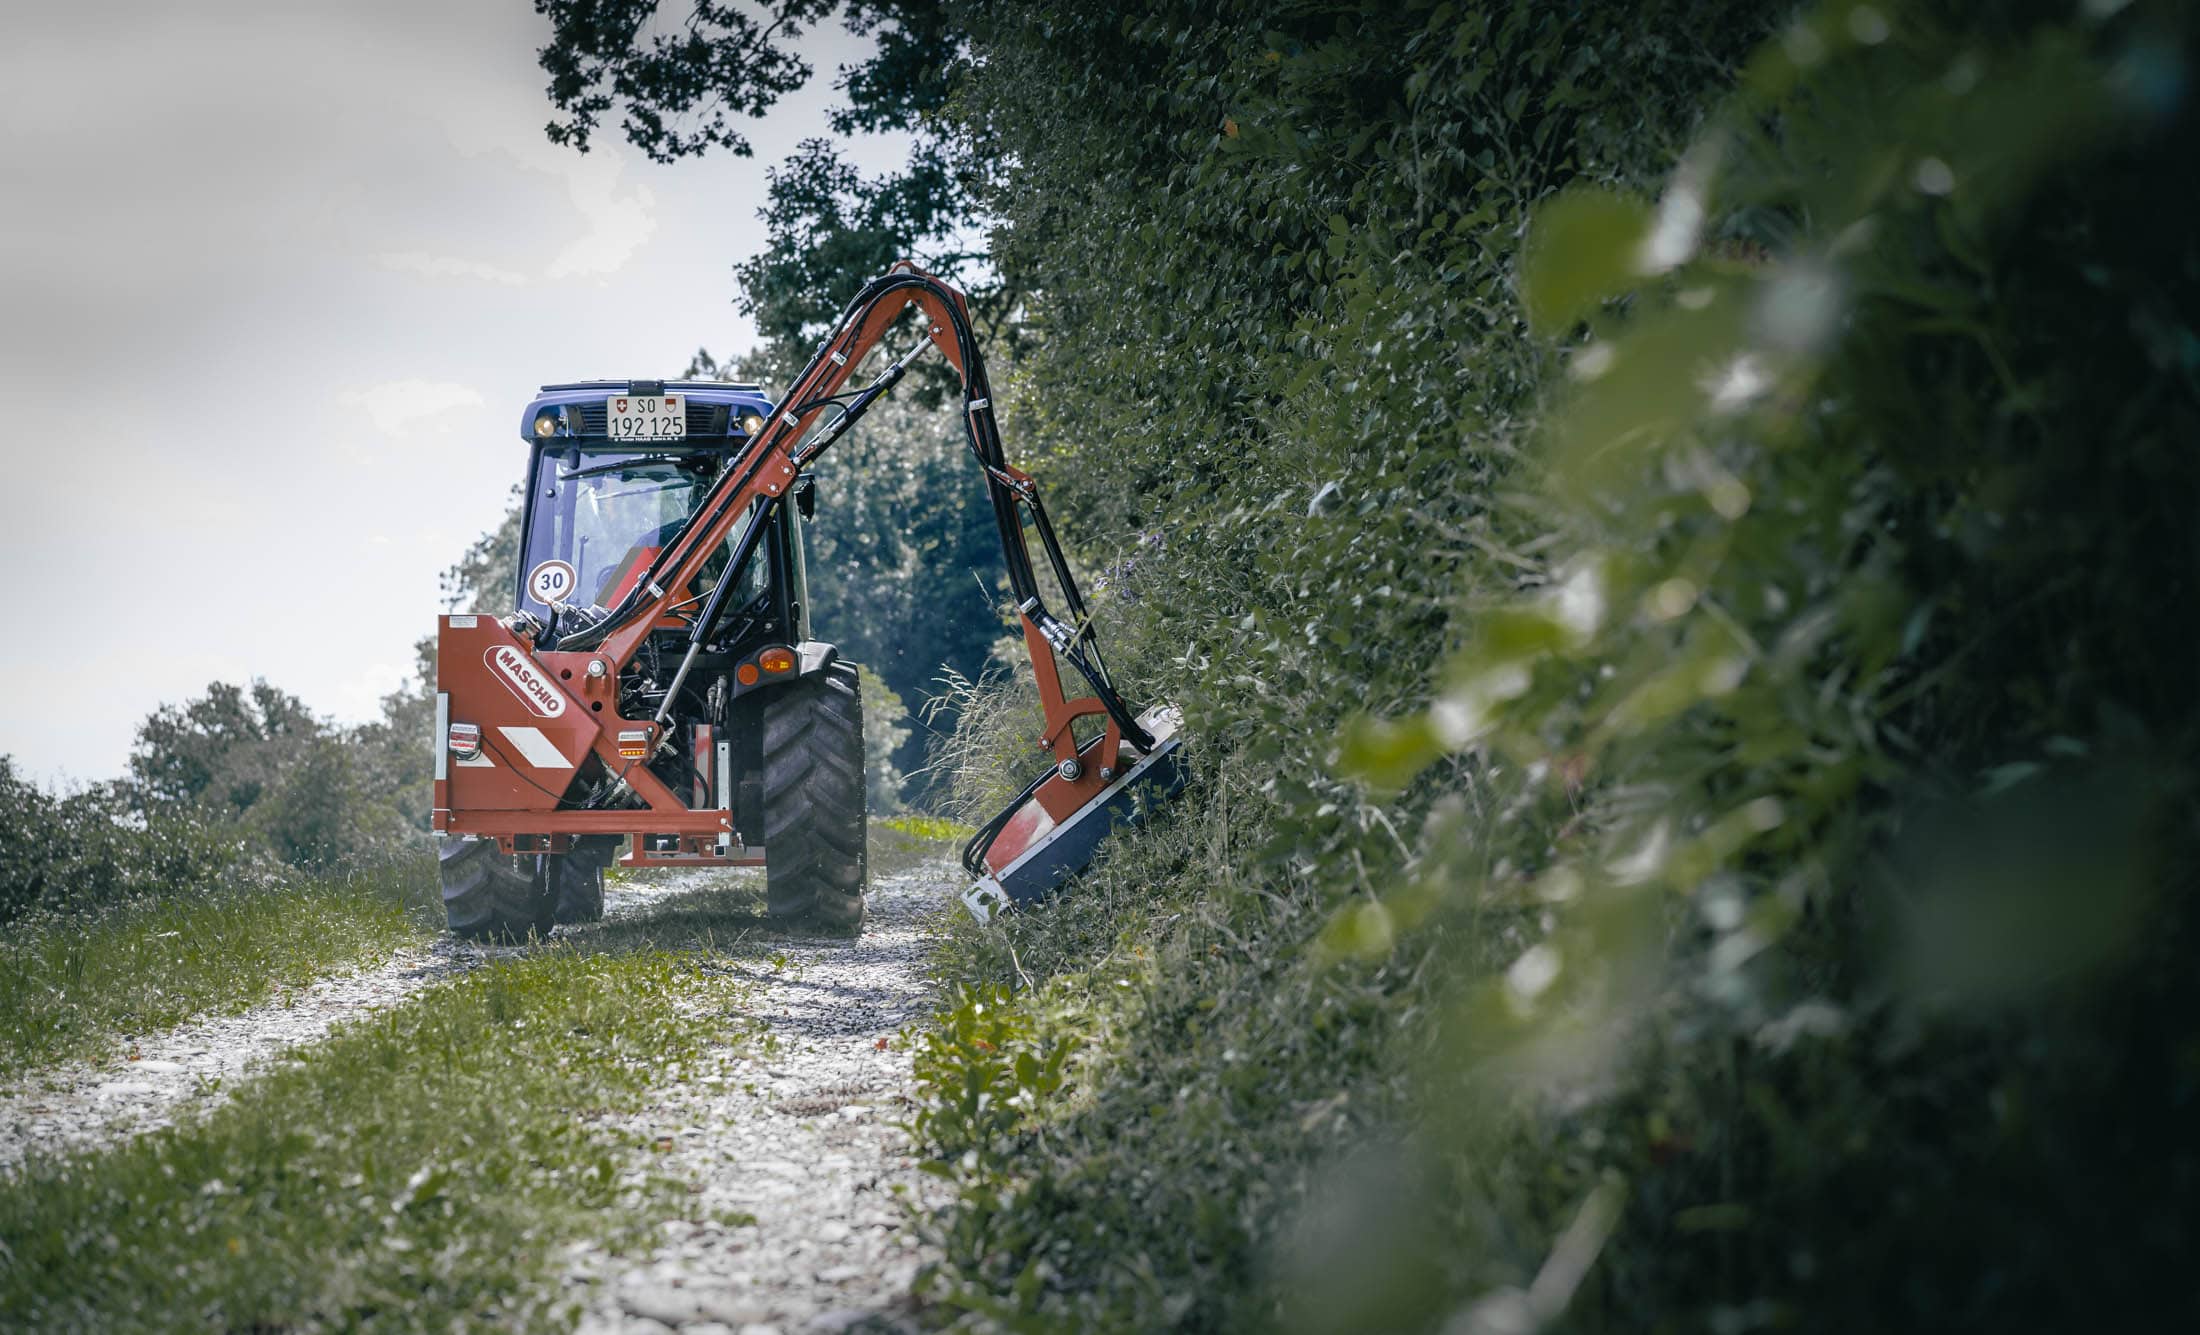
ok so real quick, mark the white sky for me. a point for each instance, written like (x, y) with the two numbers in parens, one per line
(275, 281)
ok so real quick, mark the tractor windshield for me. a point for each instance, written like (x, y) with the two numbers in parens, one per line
(599, 516)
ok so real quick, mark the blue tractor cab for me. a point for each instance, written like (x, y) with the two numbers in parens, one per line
(617, 468)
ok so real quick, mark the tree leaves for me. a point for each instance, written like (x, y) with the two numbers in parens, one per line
(1583, 247)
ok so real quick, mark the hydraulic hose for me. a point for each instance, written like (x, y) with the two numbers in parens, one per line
(975, 849)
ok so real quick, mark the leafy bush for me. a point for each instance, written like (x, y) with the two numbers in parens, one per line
(88, 850)
(988, 1072)
(1756, 888)
(313, 794)
(1860, 642)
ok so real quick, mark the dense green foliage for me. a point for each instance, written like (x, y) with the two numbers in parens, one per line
(258, 760)
(1276, 344)
(74, 853)
(1776, 914)
(418, 1170)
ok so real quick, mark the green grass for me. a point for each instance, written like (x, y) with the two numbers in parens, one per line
(901, 842)
(74, 986)
(418, 1170)
(935, 829)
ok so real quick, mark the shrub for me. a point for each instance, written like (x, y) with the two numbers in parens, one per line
(85, 851)
(1756, 889)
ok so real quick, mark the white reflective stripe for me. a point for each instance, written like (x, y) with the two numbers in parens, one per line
(536, 748)
(443, 734)
(478, 762)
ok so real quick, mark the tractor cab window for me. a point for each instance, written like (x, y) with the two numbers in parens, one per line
(599, 517)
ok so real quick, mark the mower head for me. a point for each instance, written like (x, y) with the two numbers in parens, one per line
(1026, 853)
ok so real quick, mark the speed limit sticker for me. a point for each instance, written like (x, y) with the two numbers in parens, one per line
(551, 582)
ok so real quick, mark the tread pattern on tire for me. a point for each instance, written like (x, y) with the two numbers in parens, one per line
(815, 854)
(488, 896)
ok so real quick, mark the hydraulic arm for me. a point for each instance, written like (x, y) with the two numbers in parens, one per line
(1049, 832)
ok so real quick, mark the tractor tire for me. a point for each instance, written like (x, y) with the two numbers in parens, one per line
(815, 844)
(490, 896)
(579, 885)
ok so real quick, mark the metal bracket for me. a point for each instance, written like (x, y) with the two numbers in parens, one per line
(725, 796)
(985, 898)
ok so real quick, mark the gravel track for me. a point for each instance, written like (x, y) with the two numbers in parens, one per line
(802, 1135)
(800, 1177)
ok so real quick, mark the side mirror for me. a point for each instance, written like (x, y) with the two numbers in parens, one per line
(805, 496)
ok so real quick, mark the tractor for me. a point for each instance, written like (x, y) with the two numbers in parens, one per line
(654, 699)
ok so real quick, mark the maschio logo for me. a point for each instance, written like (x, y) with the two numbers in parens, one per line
(533, 689)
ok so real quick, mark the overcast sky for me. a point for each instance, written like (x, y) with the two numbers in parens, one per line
(275, 281)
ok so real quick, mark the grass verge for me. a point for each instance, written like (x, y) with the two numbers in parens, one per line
(417, 1170)
(1127, 1089)
(72, 986)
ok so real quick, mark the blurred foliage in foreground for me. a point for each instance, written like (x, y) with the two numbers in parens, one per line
(1746, 502)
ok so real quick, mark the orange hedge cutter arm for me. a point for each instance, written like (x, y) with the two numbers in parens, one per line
(786, 444)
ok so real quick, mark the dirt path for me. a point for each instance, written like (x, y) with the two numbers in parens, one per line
(85, 1105)
(802, 1137)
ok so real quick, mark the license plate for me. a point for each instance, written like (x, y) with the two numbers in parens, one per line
(645, 417)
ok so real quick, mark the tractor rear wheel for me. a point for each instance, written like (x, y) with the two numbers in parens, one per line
(489, 895)
(815, 856)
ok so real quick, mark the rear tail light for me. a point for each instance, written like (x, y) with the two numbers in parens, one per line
(465, 740)
(776, 661)
(634, 744)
